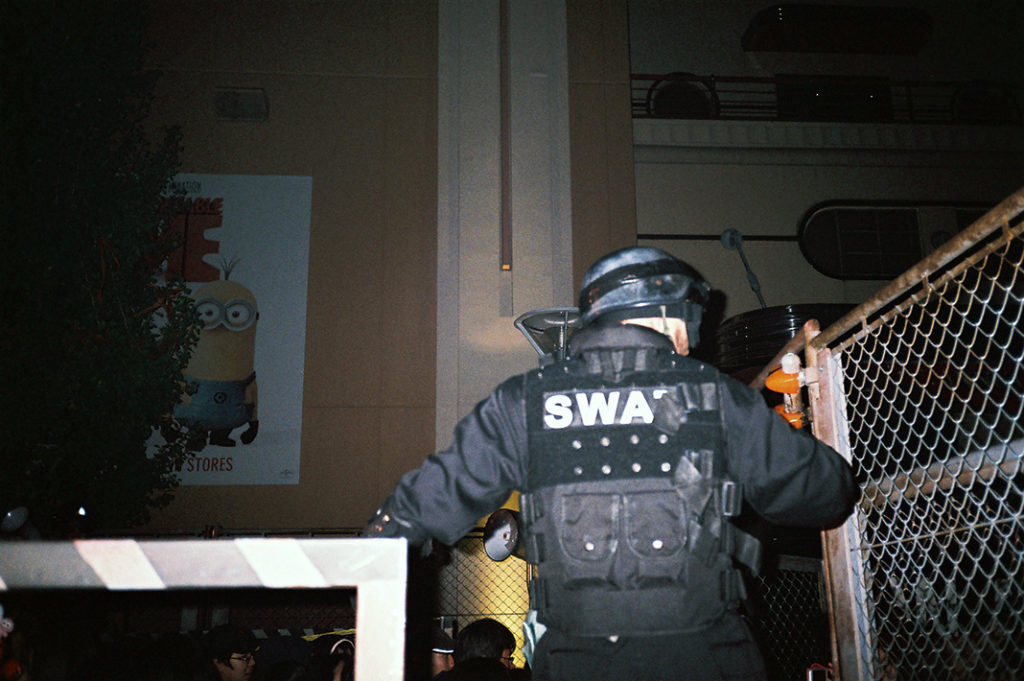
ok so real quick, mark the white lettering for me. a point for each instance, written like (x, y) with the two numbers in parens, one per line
(599, 404)
(558, 411)
(636, 408)
(614, 407)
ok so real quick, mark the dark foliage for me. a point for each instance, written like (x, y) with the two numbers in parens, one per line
(92, 340)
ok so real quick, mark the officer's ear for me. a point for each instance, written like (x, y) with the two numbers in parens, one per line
(680, 337)
(673, 327)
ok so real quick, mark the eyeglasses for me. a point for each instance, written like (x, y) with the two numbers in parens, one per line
(244, 659)
(236, 314)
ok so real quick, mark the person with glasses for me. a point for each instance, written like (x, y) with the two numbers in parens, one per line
(231, 651)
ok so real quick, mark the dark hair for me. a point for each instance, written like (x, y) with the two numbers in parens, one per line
(479, 669)
(284, 670)
(483, 638)
(224, 640)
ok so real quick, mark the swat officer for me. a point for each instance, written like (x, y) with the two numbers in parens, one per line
(630, 458)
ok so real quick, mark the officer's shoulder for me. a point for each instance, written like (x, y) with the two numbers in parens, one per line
(730, 384)
(551, 366)
(511, 382)
(693, 364)
(514, 386)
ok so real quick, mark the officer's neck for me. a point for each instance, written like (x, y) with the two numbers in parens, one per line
(608, 336)
(674, 329)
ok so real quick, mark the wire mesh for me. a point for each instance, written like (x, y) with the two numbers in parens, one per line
(472, 586)
(933, 390)
(788, 611)
(789, 617)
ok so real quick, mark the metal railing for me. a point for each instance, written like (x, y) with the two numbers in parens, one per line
(922, 388)
(825, 98)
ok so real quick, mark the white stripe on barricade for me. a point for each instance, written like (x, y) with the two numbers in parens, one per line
(280, 563)
(375, 567)
(120, 563)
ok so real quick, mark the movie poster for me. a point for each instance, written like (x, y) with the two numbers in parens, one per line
(245, 257)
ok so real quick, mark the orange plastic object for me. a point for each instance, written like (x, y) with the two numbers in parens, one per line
(781, 382)
(794, 419)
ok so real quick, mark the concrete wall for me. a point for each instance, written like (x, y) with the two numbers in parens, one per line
(354, 102)
(603, 189)
(352, 90)
(762, 179)
(695, 179)
(968, 41)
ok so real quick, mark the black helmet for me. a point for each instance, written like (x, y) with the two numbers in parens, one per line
(643, 282)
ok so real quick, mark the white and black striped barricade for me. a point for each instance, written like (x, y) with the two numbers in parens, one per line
(375, 567)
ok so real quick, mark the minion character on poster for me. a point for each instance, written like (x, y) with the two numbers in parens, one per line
(244, 255)
(221, 372)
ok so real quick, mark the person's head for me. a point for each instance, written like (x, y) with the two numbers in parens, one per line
(332, 658)
(480, 669)
(285, 669)
(485, 638)
(231, 649)
(647, 287)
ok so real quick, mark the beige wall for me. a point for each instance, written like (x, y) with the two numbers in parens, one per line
(352, 89)
(352, 103)
(696, 178)
(699, 178)
(601, 133)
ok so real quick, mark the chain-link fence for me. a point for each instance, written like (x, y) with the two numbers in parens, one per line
(787, 605)
(472, 586)
(923, 388)
(789, 617)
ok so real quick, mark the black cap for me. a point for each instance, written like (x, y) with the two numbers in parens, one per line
(441, 642)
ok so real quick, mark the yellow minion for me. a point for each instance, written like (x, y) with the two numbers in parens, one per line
(222, 366)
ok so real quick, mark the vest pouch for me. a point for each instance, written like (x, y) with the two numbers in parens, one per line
(656, 524)
(588, 531)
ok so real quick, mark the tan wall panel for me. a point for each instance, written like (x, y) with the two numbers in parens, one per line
(412, 25)
(342, 476)
(343, 348)
(407, 436)
(352, 99)
(343, 37)
(603, 195)
(410, 237)
(352, 91)
(598, 40)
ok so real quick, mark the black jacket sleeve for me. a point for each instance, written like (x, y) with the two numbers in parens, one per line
(459, 485)
(788, 476)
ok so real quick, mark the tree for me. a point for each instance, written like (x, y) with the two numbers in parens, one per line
(92, 340)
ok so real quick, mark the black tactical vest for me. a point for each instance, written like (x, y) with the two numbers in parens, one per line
(624, 515)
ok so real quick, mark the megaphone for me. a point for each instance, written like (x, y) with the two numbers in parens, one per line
(501, 535)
